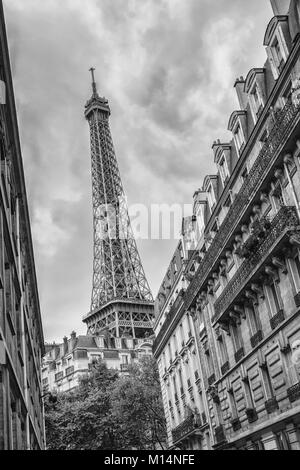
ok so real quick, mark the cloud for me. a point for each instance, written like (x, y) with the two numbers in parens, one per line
(167, 68)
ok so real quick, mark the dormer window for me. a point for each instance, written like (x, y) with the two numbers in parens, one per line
(238, 126)
(277, 41)
(256, 91)
(222, 158)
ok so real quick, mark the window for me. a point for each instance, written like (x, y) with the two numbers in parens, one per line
(237, 337)
(254, 319)
(232, 402)
(211, 197)
(222, 349)
(267, 382)
(257, 102)
(264, 136)
(209, 364)
(239, 137)
(227, 202)
(273, 297)
(295, 271)
(283, 441)
(224, 173)
(124, 359)
(297, 264)
(279, 61)
(244, 174)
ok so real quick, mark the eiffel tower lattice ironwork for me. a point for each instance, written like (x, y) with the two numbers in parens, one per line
(118, 273)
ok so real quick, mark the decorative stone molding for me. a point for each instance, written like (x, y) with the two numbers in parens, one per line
(279, 264)
(258, 290)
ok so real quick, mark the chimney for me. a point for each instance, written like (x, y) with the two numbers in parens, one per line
(65, 345)
(280, 7)
(73, 339)
(241, 95)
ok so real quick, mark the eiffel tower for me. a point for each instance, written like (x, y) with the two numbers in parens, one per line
(122, 303)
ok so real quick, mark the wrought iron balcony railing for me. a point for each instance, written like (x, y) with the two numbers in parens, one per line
(286, 219)
(186, 427)
(211, 379)
(294, 392)
(69, 370)
(236, 424)
(277, 319)
(239, 354)
(225, 367)
(251, 415)
(271, 405)
(256, 338)
(59, 376)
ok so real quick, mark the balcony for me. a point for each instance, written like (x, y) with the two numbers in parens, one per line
(59, 376)
(190, 424)
(284, 221)
(257, 338)
(277, 319)
(239, 354)
(69, 370)
(236, 424)
(283, 124)
(294, 392)
(271, 405)
(211, 379)
(225, 368)
(251, 415)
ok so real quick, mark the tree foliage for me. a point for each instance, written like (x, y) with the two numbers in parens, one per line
(108, 411)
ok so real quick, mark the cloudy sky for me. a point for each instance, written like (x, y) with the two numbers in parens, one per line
(167, 68)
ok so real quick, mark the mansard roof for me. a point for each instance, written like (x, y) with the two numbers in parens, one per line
(271, 27)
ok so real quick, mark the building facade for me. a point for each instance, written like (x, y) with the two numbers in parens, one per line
(240, 305)
(21, 335)
(64, 364)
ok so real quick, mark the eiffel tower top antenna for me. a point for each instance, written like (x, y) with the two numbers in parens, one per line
(94, 85)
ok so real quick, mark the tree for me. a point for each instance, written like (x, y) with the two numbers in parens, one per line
(110, 412)
(81, 419)
(138, 409)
